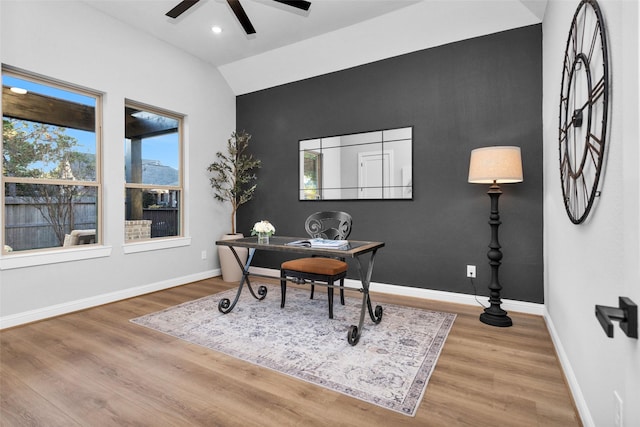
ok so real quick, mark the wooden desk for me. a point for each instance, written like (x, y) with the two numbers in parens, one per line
(356, 250)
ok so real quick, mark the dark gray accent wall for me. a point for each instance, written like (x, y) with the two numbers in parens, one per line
(473, 93)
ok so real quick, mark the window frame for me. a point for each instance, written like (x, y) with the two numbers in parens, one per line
(135, 245)
(7, 70)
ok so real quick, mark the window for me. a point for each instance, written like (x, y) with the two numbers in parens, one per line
(153, 173)
(312, 175)
(51, 189)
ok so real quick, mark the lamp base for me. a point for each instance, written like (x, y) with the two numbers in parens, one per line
(496, 318)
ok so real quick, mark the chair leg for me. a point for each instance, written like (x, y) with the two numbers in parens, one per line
(330, 296)
(342, 291)
(312, 289)
(283, 288)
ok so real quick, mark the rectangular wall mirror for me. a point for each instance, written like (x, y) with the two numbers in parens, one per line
(368, 165)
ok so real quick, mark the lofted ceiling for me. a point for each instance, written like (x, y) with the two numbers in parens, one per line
(291, 44)
(276, 24)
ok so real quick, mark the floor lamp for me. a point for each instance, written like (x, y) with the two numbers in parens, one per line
(495, 165)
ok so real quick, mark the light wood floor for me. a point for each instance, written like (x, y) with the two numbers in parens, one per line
(95, 368)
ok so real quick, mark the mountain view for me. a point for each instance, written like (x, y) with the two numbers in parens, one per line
(154, 172)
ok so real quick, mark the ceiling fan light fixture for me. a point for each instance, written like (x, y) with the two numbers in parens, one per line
(237, 9)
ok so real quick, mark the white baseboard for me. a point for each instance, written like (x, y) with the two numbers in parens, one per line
(82, 304)
(576, 391)
(509, 305)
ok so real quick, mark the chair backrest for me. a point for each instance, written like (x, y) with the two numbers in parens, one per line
(333, 225)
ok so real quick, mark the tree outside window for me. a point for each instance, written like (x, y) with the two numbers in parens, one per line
(50, 173)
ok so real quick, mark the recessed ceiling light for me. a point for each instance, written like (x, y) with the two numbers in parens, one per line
(216, 29)
(18, 90)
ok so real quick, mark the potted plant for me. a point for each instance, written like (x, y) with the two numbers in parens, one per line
(233, 180)
(263, 229)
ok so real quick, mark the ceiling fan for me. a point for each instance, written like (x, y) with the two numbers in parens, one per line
(184, 5)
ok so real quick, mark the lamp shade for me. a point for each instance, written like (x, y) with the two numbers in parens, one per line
(502, 165)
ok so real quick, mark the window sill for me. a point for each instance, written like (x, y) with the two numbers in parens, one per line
(79, 253)
(155, 244)
(31, 259)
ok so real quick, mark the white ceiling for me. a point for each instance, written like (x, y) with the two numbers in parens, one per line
(290, 44)
(276, 24)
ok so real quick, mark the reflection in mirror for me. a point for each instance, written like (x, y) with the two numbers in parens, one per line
(368, 165)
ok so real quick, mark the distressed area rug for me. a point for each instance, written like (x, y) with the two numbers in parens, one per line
(389, 367)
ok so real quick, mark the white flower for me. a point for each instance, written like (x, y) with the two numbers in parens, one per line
(263, 227)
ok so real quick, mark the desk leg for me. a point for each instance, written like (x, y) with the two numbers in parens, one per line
(354, 333)
(225, 305)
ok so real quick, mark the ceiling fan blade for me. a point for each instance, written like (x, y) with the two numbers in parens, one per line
(300, 4)
(242, 16)
(181, 8)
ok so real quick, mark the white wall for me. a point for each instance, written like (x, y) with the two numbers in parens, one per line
(72, 42)
(597, 261)
(420, 26)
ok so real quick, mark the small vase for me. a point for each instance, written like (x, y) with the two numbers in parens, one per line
(263, 238)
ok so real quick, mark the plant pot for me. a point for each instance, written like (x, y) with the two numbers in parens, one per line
(231, 272)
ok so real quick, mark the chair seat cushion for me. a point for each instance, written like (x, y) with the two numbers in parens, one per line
(323, 266)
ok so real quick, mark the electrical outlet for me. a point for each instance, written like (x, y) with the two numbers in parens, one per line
(203, 255)
(617, 418)
(471, 271)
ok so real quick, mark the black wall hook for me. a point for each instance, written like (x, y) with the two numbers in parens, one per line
(626, 314)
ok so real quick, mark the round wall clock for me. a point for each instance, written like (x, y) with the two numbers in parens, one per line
(584, 100)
